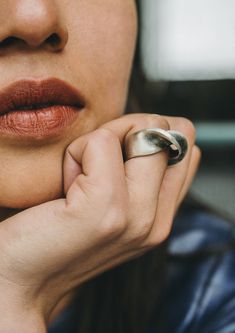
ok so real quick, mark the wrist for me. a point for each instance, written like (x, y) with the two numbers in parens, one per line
(19, 315)
(21, 321)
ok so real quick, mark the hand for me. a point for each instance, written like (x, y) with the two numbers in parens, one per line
(112, 212)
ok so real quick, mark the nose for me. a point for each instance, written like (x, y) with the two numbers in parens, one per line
(32, 24)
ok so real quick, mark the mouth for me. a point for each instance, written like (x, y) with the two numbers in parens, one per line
(38, 109)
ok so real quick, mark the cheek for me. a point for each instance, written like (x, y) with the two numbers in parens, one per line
(28, 178)
(101, 51)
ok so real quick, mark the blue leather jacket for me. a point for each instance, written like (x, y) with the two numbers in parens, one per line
(201, 288)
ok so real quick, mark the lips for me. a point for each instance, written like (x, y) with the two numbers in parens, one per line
(38, 109)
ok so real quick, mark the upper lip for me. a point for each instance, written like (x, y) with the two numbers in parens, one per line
(36, 93)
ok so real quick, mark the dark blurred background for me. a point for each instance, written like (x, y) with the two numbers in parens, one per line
(188, 56)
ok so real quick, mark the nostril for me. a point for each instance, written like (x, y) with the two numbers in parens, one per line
(9, 41)
(54, 40)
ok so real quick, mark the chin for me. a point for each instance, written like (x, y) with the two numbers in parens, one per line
(25, 199)
(31, 178)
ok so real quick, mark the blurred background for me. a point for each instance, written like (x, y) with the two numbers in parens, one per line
(188, 56)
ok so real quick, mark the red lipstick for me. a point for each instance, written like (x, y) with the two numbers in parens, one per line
(38, 109)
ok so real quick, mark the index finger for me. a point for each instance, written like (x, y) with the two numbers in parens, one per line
(99, 157)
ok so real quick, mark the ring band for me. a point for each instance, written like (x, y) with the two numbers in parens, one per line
(153, 140)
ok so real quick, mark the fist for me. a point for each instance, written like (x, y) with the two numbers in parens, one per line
(113, 211)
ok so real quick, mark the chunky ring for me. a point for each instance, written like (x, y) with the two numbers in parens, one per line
(153, 140)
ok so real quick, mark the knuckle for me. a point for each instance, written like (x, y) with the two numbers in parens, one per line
(114, 224)
(105, 135)
(142, 235)
(160, 237)
(154, 120)
(159, 121)
(187, 127)
(148, 120)
(198, 153)
(143, 229)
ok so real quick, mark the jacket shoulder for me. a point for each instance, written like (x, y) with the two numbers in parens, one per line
(201, 270)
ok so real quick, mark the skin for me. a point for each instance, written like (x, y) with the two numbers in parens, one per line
(111, 210)
(98, 42)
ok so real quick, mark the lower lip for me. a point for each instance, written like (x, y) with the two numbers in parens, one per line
(38, 123)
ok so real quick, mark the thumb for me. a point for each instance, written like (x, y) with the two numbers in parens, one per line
(71, 169)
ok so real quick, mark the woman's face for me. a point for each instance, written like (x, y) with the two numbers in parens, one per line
(97, 41)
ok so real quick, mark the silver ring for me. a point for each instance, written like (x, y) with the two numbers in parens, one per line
(153, 140)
